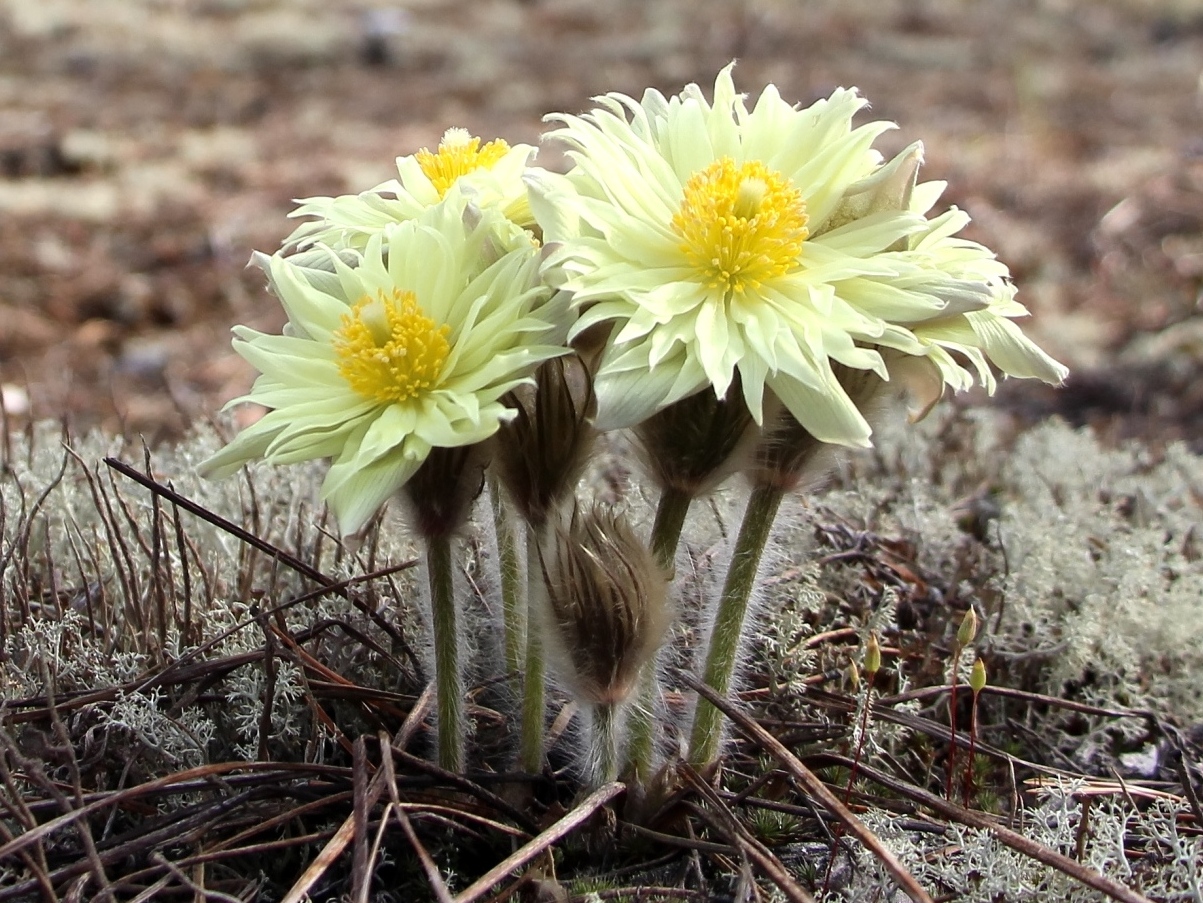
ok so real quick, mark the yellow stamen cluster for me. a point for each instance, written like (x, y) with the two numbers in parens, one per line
(740, 224)
(458, 154)
(388, 350)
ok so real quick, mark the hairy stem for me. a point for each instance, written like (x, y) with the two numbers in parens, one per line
(604, 753)
(666, 535)
(511, 577)
(729, 621)
(670, 519)
(531, 743)
(446, 653)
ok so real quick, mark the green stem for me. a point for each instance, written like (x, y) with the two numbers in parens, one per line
(728, 622)
(446, 653)
(511, 588)
(531, 744)
(605, 744)
(666, 531)
(666, 535)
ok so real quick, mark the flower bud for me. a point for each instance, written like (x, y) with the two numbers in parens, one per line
(968, 628)
(977, 677)
(852, 676)
(606, 607)
(539, 455)
(872, 655)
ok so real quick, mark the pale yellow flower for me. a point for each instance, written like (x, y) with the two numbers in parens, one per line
(771, 242)
(408, 344)
(490, 173)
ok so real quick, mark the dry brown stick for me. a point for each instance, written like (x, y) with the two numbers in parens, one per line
(815, 788)
(470, 786)
(542, 843)
(1013, 839)
(753, 849)
(119, 797)
(1009, 692)
(360, 877)
(684, 843)
(437, 884)
(250, 539)
(346, 832)
(441, 892)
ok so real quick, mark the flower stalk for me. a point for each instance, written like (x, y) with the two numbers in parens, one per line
(448, 685)
(530, 751)
(728, 626)
(512, 614)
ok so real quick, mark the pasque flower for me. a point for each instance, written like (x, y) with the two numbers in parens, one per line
(767, 242)
(490, 172)
(406, 345)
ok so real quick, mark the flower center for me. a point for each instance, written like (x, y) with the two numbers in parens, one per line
(458, 154)
(740, 225)
(388, 350)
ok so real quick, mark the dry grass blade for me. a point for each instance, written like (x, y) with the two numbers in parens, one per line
(346, 831)
(301, 567)
(542, 843)
(437, 885)
(752, 848)
(1013, 839)
(815, 788)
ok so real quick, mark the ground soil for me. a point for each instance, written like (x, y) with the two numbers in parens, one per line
(148, 146)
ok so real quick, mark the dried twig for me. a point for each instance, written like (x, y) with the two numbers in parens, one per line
(542, 843)
(815, 788)
(752, 848)
(1013, 839)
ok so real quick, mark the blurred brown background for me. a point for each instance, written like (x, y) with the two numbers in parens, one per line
(148, 146)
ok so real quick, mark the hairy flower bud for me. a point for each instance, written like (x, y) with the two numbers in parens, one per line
(607, 604)
(539, 455)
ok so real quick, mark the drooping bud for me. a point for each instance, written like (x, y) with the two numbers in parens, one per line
(968, 629)
(977, 677)
(872, 655)
(540, 454)
(607, 606)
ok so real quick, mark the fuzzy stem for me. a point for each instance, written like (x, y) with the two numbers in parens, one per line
(670, 519)
(666, 535)
(446, 653)
(605, 744)
(511, 574)
(729, 621)
(531, 742)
